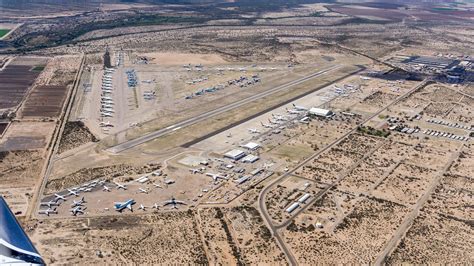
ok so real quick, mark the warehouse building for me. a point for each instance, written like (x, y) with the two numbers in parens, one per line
(235, 154)
(318, 112)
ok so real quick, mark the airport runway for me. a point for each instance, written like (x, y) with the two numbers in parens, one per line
(156, 134)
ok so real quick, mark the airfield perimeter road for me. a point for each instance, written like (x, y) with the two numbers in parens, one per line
(261, 197)
(156, 134)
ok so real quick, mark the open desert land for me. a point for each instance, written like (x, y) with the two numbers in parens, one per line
(268, 133)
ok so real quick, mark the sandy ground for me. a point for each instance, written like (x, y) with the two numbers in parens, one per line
(183, 58)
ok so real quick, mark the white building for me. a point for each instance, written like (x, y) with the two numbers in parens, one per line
(292, 207)
(250, 158)
(251, 146)
(320, 112)
(235, 154)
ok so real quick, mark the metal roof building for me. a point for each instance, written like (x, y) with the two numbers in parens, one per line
(15, 246)
(251, 146)
(235, 154)
(320, 112)
(250, 158)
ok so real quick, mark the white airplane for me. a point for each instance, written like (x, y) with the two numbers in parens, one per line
(78, 203)
(120, 206)
(59, 197)
(216, 176)
(48, 211)
(72, 192)
(195, 171)
(106, 98)
(157, 185)
(141, 190)
(253, 130)
(364, 78)
(273, 122)
(119, 186)
(142, 207)
(173, 202)
(169, 181)
(106, 124)
(78, 209)
(279, 117)
(106, 188)
(107, 114)
(105, 109)
(155, 206)
(293, 111)
(266, 125)
(49, 204)
(300, 108)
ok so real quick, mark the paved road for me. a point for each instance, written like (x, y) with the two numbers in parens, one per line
(261, 197)
(161, 132)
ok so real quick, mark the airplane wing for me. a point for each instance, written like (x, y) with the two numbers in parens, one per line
(15, 245)
(129, 206)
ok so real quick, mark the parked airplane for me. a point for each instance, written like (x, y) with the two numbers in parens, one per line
(106, 188)
(273, 122)
(49, 203)
(119, 186)
(106, 98)
(266, 125)
(72, 192)
(106, 124)
(107, 114)
(253, 130)
(109, 110)
(195, 171)
(155, 206)
(59, 197)
(48, 211)
(120, 206)
(279, 117)
(78, 203)
(157, 185)
(169, 181)
(300, 108)
(142, 207)
(141, 190)
(293, 111)
(173, 202)
(216, 176)
(78, 209)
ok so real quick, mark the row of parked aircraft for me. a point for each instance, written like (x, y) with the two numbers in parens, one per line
(120, 206)
(106, 101)
(214, 177)
(278, 119)
(77, 207)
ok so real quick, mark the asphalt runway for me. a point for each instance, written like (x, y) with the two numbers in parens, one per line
(161, 132)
